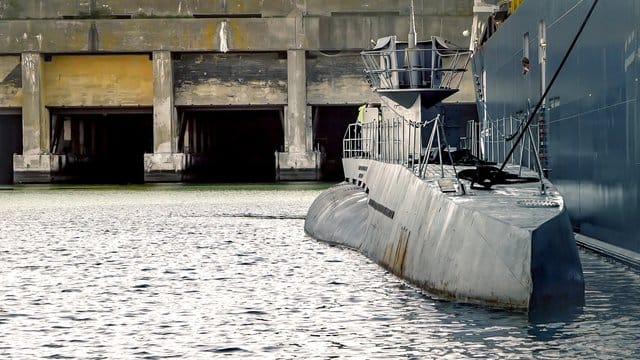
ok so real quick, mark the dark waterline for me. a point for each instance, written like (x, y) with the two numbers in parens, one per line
(207, 271)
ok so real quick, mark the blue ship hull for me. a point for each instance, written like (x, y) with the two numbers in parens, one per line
(590, 140)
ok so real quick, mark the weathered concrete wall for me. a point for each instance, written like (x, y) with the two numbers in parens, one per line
(196, 7)
(296, 119)
(357, 31)
(10, 81)
(224, 53)
(98, 80)
(43, 9)
(146, 35)
(298, 162)
(353, 32)
(47, 9)
(230, 79)
(337, 79)
(400, 7)
(164, 117)
(165, 163)
(34, 164)
(35, 116)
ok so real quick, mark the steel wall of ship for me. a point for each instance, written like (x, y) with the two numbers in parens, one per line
(592, 109)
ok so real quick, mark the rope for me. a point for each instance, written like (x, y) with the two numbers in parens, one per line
(553, 79)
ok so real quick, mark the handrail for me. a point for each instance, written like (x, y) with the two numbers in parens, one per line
(394, 138)
(396, 141)
(415, 68)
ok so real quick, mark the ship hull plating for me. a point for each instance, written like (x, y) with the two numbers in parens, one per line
(591, 135)
(454, 247)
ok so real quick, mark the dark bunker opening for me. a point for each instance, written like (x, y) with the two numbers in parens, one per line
(102, 146)
(231, 145)
(329, 126)
(10, 143)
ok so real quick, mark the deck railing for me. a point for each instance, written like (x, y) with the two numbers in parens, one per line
(497, 138)
(398, 141)
(433, 67)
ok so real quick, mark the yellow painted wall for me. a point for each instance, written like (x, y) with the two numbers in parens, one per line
(10, 97)
(10, 90)
(98, 80)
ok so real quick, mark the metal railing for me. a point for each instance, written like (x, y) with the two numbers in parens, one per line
(397, 141)
(420, 68)
(393, 141)
(471, 139)
(497, 138)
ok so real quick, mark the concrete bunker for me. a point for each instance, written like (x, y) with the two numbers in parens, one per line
(101, 145)
(230, 144)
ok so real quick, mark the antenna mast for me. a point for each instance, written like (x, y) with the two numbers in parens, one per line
(411, 39)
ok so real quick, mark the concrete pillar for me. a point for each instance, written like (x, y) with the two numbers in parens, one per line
(35, 116)
(165, 164)
(35, 164)
(298, 162)
(297, 101)
(164, 117)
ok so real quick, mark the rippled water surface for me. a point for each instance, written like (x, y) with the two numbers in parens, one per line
(212, 271)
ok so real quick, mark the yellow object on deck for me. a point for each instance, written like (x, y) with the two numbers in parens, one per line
(513, 5)
(361, 114)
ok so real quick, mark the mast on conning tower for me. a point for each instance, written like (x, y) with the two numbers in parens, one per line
(431, 70)
(412, 38)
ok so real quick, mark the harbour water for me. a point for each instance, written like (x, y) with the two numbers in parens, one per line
(227, 271)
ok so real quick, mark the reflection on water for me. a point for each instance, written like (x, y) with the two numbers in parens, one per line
(201, 272)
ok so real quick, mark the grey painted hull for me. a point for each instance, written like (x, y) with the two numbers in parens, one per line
(593, 122)
(480, 247)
